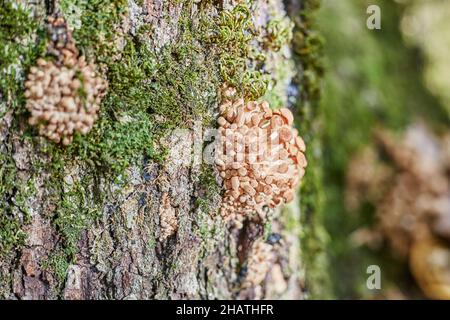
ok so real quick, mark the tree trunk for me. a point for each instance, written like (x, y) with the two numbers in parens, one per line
(129, 211)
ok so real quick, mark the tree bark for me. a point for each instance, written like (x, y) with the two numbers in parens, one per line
(154, 231)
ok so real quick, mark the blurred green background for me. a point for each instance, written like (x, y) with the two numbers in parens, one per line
(388, 77)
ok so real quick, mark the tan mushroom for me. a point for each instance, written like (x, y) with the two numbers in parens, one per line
(260, 156)
(63, 95)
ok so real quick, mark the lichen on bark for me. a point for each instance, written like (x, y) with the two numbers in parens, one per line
(85, 221)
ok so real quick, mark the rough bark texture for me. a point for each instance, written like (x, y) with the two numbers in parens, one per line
(69, 230)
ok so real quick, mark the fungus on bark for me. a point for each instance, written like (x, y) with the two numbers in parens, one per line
(64, 93)
(261, 156)
(261, 260)
(167, 217)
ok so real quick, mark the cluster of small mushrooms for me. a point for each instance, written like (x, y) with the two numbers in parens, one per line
(260, 156)
(63, 93)
(408, 182)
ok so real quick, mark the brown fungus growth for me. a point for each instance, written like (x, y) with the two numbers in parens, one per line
(430, 265)
(260, 156)
(63, 93)
(407, 181)
(262, 259)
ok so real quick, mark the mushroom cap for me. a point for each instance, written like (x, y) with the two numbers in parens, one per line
(260, 156)
(53, 93)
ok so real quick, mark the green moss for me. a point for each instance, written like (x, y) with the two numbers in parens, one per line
(206, 225)
(210, 189)
(110, 145)
(282, 71)
(18, 51)
(232, 34)
(5, 281)
(77, 206)
(267, 229)
(58, 264)
(11, 235)
(151, 244)
(97, 22)
(14, 210)
(276, 43)
(307, 46)
(150, 92)
(74, 214)
(279, 33)
(314, 237)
